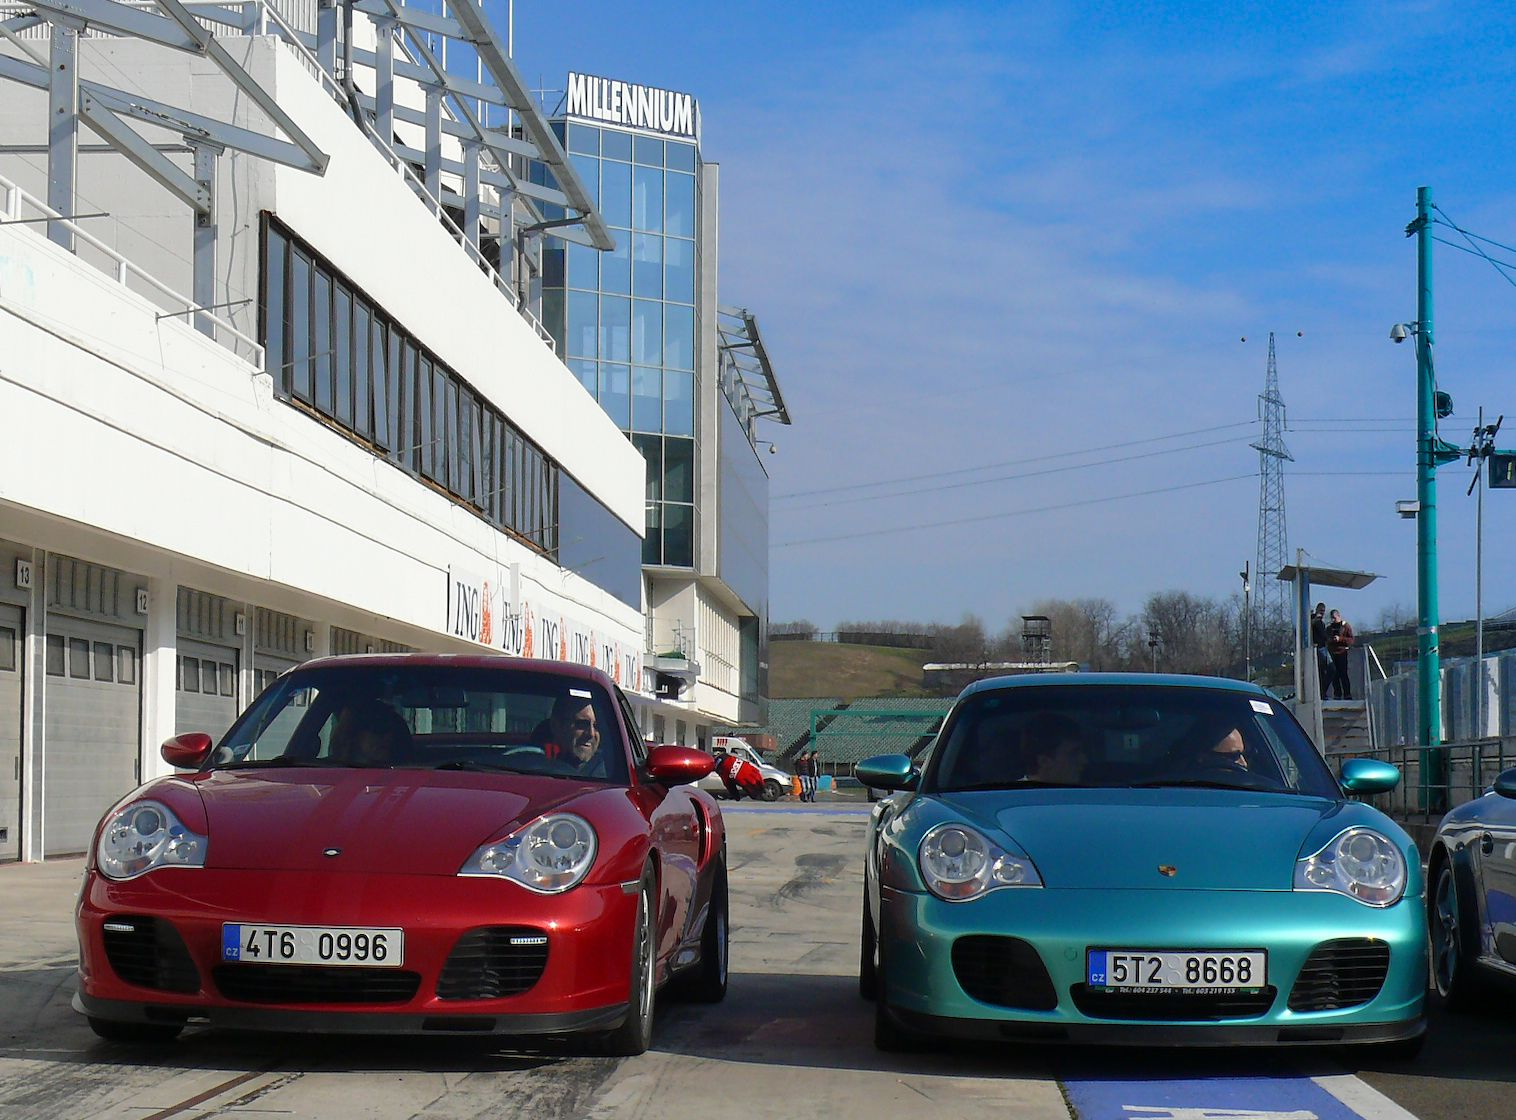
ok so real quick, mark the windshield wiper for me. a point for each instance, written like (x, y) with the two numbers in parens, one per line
(1199, 783)
(1017, 783)
(474, 765)
(278, 760)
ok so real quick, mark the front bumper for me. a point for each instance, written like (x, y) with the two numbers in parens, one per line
(921, 988)
(583, 984)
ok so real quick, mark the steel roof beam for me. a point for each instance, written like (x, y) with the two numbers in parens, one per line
(131, 144)
(179, 30)
(481, 37)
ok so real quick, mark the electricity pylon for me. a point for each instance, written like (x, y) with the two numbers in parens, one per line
(1271, 609)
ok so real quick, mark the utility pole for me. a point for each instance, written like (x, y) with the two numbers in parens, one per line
(1480, 450)
(1429, 661)
(1247, 623)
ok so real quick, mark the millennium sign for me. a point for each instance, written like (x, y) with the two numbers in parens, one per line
(633, 106)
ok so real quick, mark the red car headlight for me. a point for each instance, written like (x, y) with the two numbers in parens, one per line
(145, 835)
(548, 856)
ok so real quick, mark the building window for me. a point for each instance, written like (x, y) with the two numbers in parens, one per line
(189, 674)
(361, 371)
(56, 654)
(126, 665)
(105, 656)
(647, 197)
(78, 659)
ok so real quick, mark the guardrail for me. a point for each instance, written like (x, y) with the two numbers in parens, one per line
(21, 206)
(1436, 779)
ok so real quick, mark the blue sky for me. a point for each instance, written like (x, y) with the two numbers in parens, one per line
(1020, 236)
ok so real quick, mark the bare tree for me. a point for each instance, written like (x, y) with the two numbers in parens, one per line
(1396, 616)
(962, 644)
(1194, 634)
(1083, 630)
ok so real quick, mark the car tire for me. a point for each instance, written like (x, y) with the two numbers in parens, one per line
(1452, 965)
(635, 1034)
(138, 1034)
(889, 1035)
(771, 790)
(707, 982)
(868, 945)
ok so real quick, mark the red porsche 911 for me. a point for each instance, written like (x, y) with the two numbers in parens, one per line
(411, 843)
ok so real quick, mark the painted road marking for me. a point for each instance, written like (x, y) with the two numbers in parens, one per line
(1233, 1098)
(1363, 1098)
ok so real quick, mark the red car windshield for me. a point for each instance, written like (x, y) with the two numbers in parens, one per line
(430, 716)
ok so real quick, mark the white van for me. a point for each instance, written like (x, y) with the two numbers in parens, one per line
(776, 783)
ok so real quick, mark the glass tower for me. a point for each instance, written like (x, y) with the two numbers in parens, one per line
(627, 321)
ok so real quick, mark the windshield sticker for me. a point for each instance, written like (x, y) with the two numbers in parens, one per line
(588, 695)
(1263, 707)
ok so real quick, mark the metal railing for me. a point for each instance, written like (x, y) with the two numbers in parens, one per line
(20, 206)
(1434, 780)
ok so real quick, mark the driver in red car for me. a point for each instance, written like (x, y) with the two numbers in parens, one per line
(740, 776)
(571, 735)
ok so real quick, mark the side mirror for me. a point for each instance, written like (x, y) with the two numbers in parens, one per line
(677, 766)
(187, 751)
(1369, 775)
(887, 771)
(1505, 783)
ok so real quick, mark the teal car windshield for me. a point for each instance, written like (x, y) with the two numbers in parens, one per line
(1125, 736)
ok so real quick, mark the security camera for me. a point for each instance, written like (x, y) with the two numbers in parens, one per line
(1398, 333)
(773, 450)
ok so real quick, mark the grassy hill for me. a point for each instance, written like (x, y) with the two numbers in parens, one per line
(842, 670)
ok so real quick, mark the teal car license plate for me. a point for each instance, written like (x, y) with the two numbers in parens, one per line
(1176, 970)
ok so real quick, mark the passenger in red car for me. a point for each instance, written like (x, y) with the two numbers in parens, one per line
(369, 733)
(740, 776)
(573, 735)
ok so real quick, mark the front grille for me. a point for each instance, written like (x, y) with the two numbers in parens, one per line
(150, 953)
(1005, 971)
(1172, 1006)
(1344, 973)
(493, 962)
(288, 983)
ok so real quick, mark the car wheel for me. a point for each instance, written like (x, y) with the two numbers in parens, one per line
(707, 984)
(113, 1030)
(771, 790)
(635, 1035)
(1451, 967)
(868, 945)
(889, 1035)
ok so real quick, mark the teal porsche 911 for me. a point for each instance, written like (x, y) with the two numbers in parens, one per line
(1114, 858)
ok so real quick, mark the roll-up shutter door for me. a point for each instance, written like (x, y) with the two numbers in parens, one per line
(92, 726)
(205, 693)
(11, 645)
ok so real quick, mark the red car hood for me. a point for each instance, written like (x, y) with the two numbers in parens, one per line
(404, 822)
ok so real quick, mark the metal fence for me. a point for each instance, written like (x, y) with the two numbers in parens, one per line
(1438, 779)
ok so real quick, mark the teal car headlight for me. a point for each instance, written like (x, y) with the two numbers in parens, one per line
(1360, 863)
(959, 863)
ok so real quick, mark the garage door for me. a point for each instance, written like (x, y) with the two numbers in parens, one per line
(11, 632)
(206, 695)
(91, 729)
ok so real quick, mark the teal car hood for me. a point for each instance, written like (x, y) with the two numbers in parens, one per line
(1115, 839)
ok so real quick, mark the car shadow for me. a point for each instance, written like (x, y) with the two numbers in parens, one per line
(822, 1022)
